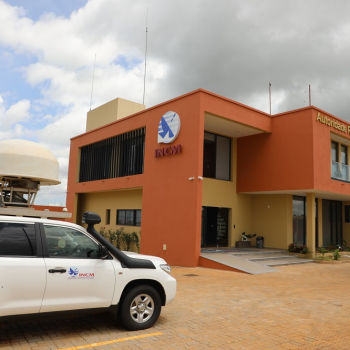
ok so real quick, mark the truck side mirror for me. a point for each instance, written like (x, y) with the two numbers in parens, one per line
(91, 218)
(103, 252)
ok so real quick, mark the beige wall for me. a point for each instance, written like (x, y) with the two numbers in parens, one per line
(273, 219)
(270, 216)
(111, 111)
(99, 202)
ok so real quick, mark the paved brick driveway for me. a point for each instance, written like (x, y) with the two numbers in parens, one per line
(300, 307)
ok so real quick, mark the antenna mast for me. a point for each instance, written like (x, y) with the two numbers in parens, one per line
(144, 79)
(309, 95)
(92, 86)
(270, 96)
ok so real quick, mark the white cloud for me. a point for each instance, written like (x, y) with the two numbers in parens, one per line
(12, 117)
(234, 48)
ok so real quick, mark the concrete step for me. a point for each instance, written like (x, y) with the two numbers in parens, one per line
(260, 252)
(271, 258)
(281, 262)
(258, 257)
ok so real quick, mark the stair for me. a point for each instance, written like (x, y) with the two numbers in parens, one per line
(271, 258)
(250, 260)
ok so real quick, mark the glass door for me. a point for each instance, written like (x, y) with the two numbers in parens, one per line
(214, 227)
(331, 222)
(299, 220)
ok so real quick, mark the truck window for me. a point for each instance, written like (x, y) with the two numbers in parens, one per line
(64, 242)
(17, 239)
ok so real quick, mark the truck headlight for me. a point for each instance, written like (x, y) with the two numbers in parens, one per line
(166, 268)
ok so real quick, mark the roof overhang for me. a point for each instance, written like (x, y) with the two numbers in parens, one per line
(223, 126)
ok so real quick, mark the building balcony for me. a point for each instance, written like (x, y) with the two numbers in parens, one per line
(340, 171)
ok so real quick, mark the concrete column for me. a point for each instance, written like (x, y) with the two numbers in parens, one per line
(310, 222)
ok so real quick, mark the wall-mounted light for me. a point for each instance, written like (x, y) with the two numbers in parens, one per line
(191, 178)
(200, 177)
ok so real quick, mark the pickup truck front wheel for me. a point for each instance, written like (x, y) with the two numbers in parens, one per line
(140, 308)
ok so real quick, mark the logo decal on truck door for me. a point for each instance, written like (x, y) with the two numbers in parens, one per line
(81, 273)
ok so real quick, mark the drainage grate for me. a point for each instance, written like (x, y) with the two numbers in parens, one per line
(191, 275)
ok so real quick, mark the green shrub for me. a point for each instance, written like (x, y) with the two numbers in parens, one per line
(336, 254)
(322, 251)
(121, 239)
(305, 250)
(301, 249)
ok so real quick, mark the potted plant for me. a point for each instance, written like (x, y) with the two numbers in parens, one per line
(245, 243)
(245, 236)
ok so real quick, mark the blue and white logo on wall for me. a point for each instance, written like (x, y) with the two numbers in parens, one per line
(169, 127)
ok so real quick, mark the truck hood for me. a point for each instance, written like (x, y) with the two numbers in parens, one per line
(154, 259)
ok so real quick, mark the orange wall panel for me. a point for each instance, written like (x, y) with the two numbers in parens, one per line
(171, 205)
(282, 160)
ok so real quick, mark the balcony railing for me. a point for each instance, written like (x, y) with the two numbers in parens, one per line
(340, 171)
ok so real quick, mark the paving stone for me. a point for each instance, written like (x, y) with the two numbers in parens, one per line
(297, 307)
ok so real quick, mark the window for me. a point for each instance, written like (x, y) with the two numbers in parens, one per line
(339, 164)
(118, 156)
(216, 157)
(17, 239)
(129, 217)
(334, 150)
(347, 213)
(64, 242)
(344, 154)
(108, 216)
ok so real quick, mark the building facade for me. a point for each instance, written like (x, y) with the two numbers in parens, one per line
(199, 170)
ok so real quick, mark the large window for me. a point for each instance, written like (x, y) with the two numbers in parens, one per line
(217, 157)
(129, 217)
(118, 156)
(17, 239)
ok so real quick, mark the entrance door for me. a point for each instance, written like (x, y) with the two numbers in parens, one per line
(331, 222)
(214, 227)
(299, 220)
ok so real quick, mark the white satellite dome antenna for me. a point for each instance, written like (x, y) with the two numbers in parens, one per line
(24, 167)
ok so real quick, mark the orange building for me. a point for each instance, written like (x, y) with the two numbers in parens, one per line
(199, 170)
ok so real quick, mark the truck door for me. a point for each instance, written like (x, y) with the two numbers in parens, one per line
(22, 269)
(77, 276)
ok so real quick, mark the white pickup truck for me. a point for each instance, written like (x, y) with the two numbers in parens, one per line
(49, 267)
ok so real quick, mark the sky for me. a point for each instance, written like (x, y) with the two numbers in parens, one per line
(235, 48)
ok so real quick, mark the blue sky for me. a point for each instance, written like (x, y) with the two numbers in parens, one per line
(230, 47)
(35, 9)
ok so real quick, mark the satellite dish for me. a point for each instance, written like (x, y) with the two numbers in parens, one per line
(24, 167)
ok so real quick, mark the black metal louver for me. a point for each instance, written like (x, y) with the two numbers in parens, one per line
(118, 156)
